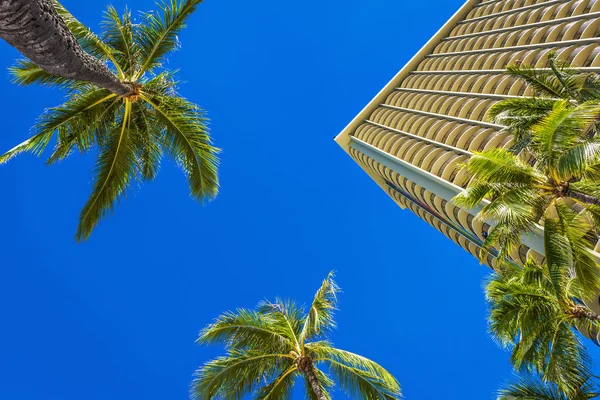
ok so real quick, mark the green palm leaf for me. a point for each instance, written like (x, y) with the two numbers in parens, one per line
(501, 166)
(157, 35)
(115, 170)
(560, 131)
(145, 131)
(529, 388)
(542, 83)
(324, 351)
(118, 34)
(280, 388)
(186, 139)
(358, 383)
(238, 373)
(569, 376)
(320, 316)
(570, 237)
(97, 123)
(247, 329)
(79, 111)
(519, 115)
(286, 319)
(25, 73)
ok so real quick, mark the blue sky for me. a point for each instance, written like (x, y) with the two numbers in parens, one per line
(116, 317)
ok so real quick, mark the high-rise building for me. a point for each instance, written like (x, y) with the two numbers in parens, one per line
(432, 115)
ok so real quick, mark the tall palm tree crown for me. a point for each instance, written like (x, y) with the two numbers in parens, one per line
(267, 350)
(559, 190)
(131, 132)
(536, 316)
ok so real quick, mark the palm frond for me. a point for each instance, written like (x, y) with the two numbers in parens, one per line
(543, 83)
(236, 374)
(558, 253)
(579, 159)
(157, 34)
(286, 319)
(527, 108)
(518, 313)
(115, 169)
(561, 130)
(117, 33)
(358, 376)
(513, 213)
(504, 237)
(25, 73)
(501, 166)
(570, 236)
(357, 383)
(518, 115)
(474, 194)
(79, 111)
(320, 316)
(568, 78)
(590, 87)
(246, 329)
(35, 144)
(85, 130)
(530, 388)
(280, 388)
(187, 140)
(148, 136)
(568, 363)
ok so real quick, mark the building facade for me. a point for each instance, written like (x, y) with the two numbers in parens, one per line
(432, 115)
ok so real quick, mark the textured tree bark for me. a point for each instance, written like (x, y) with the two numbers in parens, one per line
(586, 198)
(35, 29)
(584, 312)
(305, 366)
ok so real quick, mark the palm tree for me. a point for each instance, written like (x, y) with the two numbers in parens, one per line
(268, 349)
(549, 86)
(529, 388)
(36, 29)
(536, 315)
(560, 190)
(131, 132)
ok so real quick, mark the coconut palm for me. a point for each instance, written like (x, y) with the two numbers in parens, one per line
(35, 28)
(270, 348)
(529, 388)
(537, 319)
(549, 86)
(131, 132)
(560, 190)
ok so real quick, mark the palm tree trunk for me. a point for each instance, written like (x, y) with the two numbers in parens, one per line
(35, 29)
(305, 366)
(579, 311)
(314, 383)
(586, 198)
